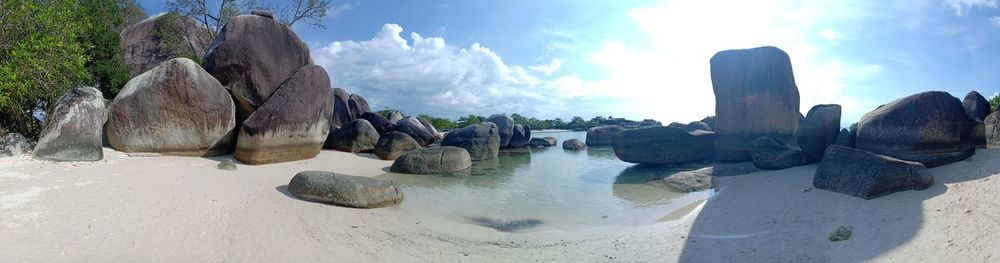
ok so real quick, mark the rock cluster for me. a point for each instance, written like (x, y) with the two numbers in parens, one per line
(482, 140)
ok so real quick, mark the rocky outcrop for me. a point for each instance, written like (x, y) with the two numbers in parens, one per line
(481, 140)
(505, 125)
(175, 108)
(773, 154)
(344, 190)
(845, 138)
(976, 106)
(867, 175)
(663, 145)
(991, 130)
(15, 144)
(602, 135)
(755, 96)
(356, 136)
(819, 130)
(520, 136)
(574, 144)
(381, 124)
(931, 128)
(394, 144)
(411, 126)
(443, 159)
(292, 124)
(73, 128)
(143, 46)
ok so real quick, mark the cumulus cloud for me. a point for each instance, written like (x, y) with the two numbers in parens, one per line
(962, 6)
(548, 69)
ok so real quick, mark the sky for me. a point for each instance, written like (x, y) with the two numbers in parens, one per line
(644, 59)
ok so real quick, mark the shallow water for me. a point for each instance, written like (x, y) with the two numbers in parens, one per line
(547, 188)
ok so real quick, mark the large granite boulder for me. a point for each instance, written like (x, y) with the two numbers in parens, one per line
(505, 125)
(411, 126)
(15, 144)
(991, 130)
(394, 117)
(175, 108)
(976, 106)
(930, 128)
(755, 96)
(144, 47)
(773, 154)
(520, 136)
(430, 128)
(845, 138)
(867, 175)
(356, 136)
(292, 124)
(357, 105)
(344, 190)
(819, 130)
(663, 145)
(574, 144)
(481, 140)
(394, 144)
(701, 179)
(443, 159)
(73, 129)
(542, 142)
(602, 135)
(252, 56)
(341, 108)
(381, 124)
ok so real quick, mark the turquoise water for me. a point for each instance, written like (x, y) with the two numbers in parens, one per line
(546, 188)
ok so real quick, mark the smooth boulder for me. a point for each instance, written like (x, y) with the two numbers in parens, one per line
(381, 124)
(341, 108)
(344, 190)
(819, 130)
(520, 136)
(357, 105)
(394, 117)
(663, 145)
(73, 129)
(357, 136)
(976, 106)
(574, 144)
(143, 47)
(394, 144)
(931, 128)
(430, 128)
(481, 140)
(412, 126)
(444, 159)
(701, 179)
(505, 125)
(867, 175)
(773, 154)
(602, 135)
(15, 144)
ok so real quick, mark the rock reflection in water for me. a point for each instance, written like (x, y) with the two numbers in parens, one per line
(507, 225)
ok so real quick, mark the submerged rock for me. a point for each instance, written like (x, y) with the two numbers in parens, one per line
(521, 136)
(867, 175)
(663, 145)
(602, 135)
(574, 144)
(445, 159)
(930, 128)
(481, 140)
(394, 144)
(542, 142)
(74, 128)
(773, 154)
(344, 190)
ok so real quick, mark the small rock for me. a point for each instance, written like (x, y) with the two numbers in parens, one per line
(842, 233)
(227, 164)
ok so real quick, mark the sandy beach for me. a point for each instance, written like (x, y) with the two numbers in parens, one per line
(184, 209)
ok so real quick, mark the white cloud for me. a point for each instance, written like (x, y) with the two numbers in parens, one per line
(829, 34)
(995, 20)
(337, 10)
(962, 6)
(549, 68)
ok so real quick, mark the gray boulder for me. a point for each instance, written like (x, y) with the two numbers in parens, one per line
(542, 142)
(867, 175)
(430, 128)
(991, 130)
(773, 154)
(663, 145)
(930, 128)
(227, 164)
(357, 136)
(411, 126)
(73, 129)
(394, 144)
(395, 117)
(701, 179)
(341, 109)
(443, 159)
(602, 135)
(15, 144)
(481, 140)
(976, 106)
(381, 124)
(344, 190)
(819, 130)
(845, 138)
(143, 48)
(520, 137)
(505, 125)
(357, 105)
(574, 144)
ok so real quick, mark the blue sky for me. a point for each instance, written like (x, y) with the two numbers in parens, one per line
(645, 59)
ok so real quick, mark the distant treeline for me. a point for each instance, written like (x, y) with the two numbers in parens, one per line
(575, 123)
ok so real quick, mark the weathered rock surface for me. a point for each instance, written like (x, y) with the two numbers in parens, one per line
(602, 135)
(15, 144)
(867, 175)
(992, 130)
(341, 108)
(755, 95)
(73, 129)
(520, 136)
(845, 138)
(394, 117)
(481, 140)
(381, 124)
(357, 136)
(443, 159)
(819, 130)
(505, 125)
(394, 144)
(664, 145)
(773, 154)
(143, 49)
(416, 130)
(931, 128)
(976, 106)
(175, 108)
(574, 144)
(701, 179)
(357, 105)
(292, 124)
(344, 190)
(430, 128)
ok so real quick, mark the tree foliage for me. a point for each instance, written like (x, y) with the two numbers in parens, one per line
(215, 17)
(995, 102)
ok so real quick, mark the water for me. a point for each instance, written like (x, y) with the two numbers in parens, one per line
(546, 188)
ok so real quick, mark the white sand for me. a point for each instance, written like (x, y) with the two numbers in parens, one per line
(182, 209)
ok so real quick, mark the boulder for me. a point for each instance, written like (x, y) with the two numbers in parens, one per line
(357, 105)
(697, 125)
(341, 110)
(711, 121)
(411, 126)
(505, 125)
(344, 190)
(443, 159)
(930, 128)
(357, 136)
(845, 138)
(73, 129)
(252, 56)
(976, 106)
(602, 135)
(394, 144)
(701, 179)
(992, 130)
(867, 175)
(755, 96)
(819, 130)
(520, 136)
(430, 128)
(773, 154)
(175, 108)
(15, 144)
(292, 124)
(542, 142)
(574, 144)
(381, 124)
(663, 145)
(481, 140)
(394, 117)
(143, 48)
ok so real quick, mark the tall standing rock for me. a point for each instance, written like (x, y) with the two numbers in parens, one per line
(292, 124)
(341, 108)
(976, 106)
(357, 105)
(505, 125)
(663, 145)
(176, 108)
(482, 140)
(520, 136)
(143, 46)
(819, 130)
(72, 130)
(601, 135)
(929, 127)
(755, 96)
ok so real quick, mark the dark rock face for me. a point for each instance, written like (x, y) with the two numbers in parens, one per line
(773, 154)
(574, 144)
(175, 108)
(15, 144)
(143, 49)
(505, 125)
(292, 124)
(992, 131)
(381, 124)
(845, 138)
(542, 142)
(602, 135)
(252, 56)
(931, 128)
(663, 145)
(430, 128)
(357, 136)
(819, 130)
(443, 159)
(72, 130)
(357, 105)
(520, 136)
(341, 109)
(394, 117)
(867, 175)
(697, 125)
(411, 126)
(481, 140)
(976, 106)
(711, 121)
(755, 95)
(979, 134)
(394, 144)
(344, 190)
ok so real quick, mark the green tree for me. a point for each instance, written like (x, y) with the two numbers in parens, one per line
(469, 120)
(100, 39)
(387, 112)
(995, 102)
(307, 11)
(439, 123)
